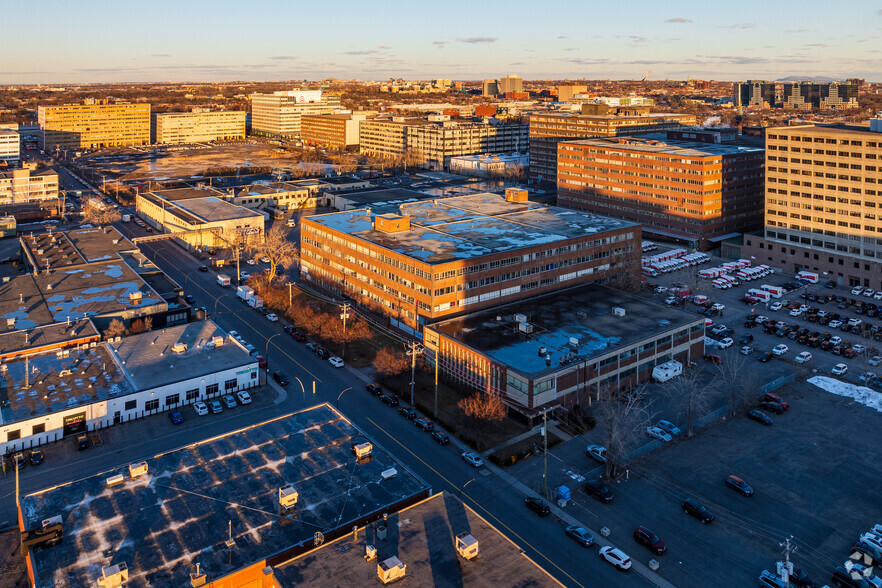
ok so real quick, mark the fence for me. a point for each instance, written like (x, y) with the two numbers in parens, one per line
(780, 382)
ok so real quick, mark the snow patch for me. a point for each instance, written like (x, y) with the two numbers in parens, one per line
(865, 396)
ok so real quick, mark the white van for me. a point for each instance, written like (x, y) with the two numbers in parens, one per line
(665, 371)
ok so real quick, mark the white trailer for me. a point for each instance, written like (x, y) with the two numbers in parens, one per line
(223, 280)
(665, 371)
(245, 292)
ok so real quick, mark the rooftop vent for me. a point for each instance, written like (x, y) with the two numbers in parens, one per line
(370, 552)
(362, 450)
(288, 496)
(525, 328)
(542, 351)
(467, 546)
(618, 311)
(137, 469)
(179, 347)
(390, 473)
(876, 125)
(197, 579)
(581, 315)
(574, 341)
(114, 576)
(515, 195)
(217, 340)
(392, 223)
(135, 297)
(390, 570)
(520, 318)
(115, 480)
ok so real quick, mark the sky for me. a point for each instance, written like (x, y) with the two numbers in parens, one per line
(67, 41)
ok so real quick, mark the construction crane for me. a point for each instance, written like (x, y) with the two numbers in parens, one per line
(646, 76)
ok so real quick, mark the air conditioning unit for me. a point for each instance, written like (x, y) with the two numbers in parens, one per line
(288, 496)
(391, 569)
(467, 546)
(525, 327)
(618, 311)
(217, 340)
(114, 576)
(520, 318)
(390, 473)
(574, 342)
(370, 552)
(115, 480)
(362, 450)
(137, 469)
(542, 351)
(179, 347)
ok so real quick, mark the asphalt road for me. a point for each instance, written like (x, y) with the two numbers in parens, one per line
(492, 497)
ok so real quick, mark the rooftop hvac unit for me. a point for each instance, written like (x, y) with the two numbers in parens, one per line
(525, 327)
(288, 496)
(542, 351)
(217, 340)
(362, 450)
(370, 552)
(137, 469)
(467, 546)
(115, 480)
(135, 296)
(390, 473)
(618, 311)
(179, 347)
(520, 318)
(114, 576)
(574, 342)
(390, 570)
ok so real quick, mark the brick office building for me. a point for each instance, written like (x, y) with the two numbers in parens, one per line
(441, 258)
(690, 191)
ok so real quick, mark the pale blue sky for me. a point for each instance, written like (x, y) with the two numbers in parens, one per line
(56, 41)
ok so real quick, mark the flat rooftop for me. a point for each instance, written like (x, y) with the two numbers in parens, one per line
(58, 380)
(266, 189)
(389, 200)
(215, 210)
(827, 129)
(150, 361)
(177, 194)
(667, 146)
(423, 537)
(12, 342)
(70, 248)
(177, 514)
(583, 313)
(465, 227)
(649, 116)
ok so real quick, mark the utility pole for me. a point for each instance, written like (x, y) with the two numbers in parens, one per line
(437, 359)
(545, 450)
(344, 315)
(785, 568)
(413, 349)
(290, 295)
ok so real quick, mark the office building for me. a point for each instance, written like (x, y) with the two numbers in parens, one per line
(433, 140)
(172, 128)
(439, 258)
(823, 188)
(10, 145)
(823, 96)
(566, 93)
(28, 185)
(755, 93)
(221, 512)
(547, 130)
(278, 114)
(556, 350)
(683, 190)
(489, 87)
(331, 131)
(510, 83)
(500, 165)
(276, 195)
(78, 383)
(200, 217)
(93, 125)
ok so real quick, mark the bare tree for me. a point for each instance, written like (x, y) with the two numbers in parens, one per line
(96, 212)
(738, 380)
(413, 158)
(624, 418)
(692, 394)
(114, 329)
(281, 252)
(480, 410)
(389, 363)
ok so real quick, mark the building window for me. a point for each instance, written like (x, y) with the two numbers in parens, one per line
(41, 428)
(517, 383)
(540, 387)
(254, 375)
(211, 389)
(13, 435)
(152, 405)
(172, 399)
(191, 394)
(230, 384)
(131, 404)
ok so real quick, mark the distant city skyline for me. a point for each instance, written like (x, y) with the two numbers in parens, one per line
(97, 41)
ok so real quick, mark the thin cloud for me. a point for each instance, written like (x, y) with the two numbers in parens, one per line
(797, 31)
(741, 26)
(476, 40)
(439, 43)
(283, 57)
(816, 45)
(679, 20)
(563, 37)
(383, 47)
(364, 52)
(879, 12)
(586, 60)
(160, 55)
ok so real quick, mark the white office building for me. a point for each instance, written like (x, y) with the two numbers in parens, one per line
(10, 145)
(278, 114)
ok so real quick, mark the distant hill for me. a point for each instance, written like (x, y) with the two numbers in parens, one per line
(818, 79)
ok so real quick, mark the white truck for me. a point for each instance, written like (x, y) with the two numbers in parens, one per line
(223, 280)
(665, 371)
(126, 218)
(255, 302)
(245, 292)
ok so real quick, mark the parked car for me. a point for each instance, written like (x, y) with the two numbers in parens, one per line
(36, 457)
(281, 379)
(764, 357)
(725, 343)
(772, 407)
(650, 540)
(374, 389)
(745, 339)
(243, 396)
(839, 369)
(216, 406)
(473, 459)
(424, 424)
(408, 413)
(769, 580)
(696, 509)
(739, 485)
(668, 427)
(803, 357)
(746, 350)
(597, 453)
(83, 442)
(389, 399)
(581, 535)
(441, 437)
(657, 433)
(779, 350)
(772, 397)
(335, 361)
(716, 359)
(599, 490)
(775, 306)
(200, 408)
(616, 557)
(538, 506)
(176, 417)
(272, 317)
(853, 578)
(759, 416)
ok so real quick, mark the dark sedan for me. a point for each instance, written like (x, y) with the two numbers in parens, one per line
(581, 535)
(389, 399)
(772, 407)
(441, 437)
(650, 540)
(538, 506)
(407, 413)
(374, 389)
(36, 457)
(176, 417)
(695, 509)
(599, 490)
(759, 416)
(739, 485)
(764, 357)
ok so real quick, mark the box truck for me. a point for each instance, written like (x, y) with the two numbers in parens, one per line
(775, 291)
(808, 276)
(255, 302)
(245, 292)
(223, 280)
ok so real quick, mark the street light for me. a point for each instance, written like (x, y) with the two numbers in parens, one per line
(266, 357)
(302, 390)
(464, 487)
(341, 394)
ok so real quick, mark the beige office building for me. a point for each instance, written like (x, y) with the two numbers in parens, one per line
(172, 128)
(93, 125)
(10, 145)
(332, 131)
(279, 114)
(27, 185)
(823, 211)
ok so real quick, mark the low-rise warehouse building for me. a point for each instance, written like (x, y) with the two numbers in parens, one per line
(66, 382)
(222, 512)
(554, 350)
